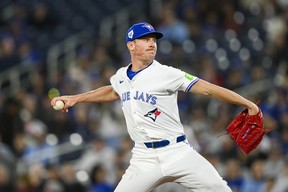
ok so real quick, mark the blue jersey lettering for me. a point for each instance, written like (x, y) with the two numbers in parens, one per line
(141, 97)
(153, 100)
(145, 97)
(136, 95)
(148, 97)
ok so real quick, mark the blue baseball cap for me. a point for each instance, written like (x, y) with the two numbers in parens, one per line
(140, 30)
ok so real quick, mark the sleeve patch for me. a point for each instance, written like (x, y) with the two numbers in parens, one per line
(189, 77)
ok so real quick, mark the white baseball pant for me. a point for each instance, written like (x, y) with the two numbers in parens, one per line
(177, 162)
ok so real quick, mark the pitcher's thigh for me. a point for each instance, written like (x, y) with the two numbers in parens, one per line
(199, 175)
(139, 180)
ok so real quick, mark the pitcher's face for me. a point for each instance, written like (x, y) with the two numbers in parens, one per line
(144, 48)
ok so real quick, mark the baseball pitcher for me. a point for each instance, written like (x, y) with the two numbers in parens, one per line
(148, 93)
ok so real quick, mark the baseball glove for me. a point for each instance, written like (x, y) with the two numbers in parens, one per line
(247, 130)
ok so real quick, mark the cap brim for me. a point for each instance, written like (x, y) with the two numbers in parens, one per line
(158, 35)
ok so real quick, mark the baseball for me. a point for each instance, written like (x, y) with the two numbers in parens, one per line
(59, 105)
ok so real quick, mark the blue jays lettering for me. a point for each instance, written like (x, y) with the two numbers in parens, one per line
(139, 96)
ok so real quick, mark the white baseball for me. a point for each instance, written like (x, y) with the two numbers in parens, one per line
(59, 105)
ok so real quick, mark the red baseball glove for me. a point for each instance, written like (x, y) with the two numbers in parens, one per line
(247, 130)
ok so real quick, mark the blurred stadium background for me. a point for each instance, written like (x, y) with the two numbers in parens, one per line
(57, 47)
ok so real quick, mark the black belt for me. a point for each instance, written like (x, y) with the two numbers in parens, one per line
(163, 143)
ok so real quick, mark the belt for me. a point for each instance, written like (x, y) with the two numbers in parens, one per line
(163, 143)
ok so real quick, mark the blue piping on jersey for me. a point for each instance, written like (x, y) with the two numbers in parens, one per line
(131, 74)
(191, 84)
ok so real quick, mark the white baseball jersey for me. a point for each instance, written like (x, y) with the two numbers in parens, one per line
(149, 100)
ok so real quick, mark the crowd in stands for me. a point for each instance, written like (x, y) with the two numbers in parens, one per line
(230, 43)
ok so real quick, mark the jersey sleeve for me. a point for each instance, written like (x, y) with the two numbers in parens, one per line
(180, 80)
(114, 79)
(113, 83)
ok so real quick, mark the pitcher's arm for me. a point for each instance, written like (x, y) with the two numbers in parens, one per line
(102, 94)
(205, 88)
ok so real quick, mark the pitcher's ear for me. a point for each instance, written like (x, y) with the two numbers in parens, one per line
(130, 45)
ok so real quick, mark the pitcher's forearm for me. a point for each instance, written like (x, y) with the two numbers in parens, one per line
(205, 88)
(102, 94)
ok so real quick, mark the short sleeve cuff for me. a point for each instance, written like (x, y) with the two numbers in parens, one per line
(191, 84)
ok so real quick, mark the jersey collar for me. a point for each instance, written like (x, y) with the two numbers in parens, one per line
(131, 74)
